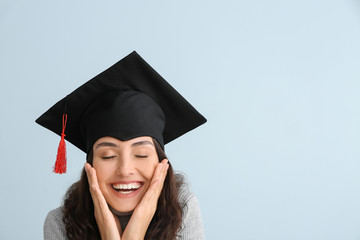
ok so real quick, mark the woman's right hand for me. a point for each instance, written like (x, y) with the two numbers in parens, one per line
(108, 223)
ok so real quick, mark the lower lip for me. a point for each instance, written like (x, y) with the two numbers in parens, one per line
(128, 195)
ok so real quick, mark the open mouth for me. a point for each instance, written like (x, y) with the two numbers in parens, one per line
(126, 188)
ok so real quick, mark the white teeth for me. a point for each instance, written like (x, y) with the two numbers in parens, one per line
(126, 192)
(126, 186)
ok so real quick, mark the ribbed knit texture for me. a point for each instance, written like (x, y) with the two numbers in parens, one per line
(192, 227)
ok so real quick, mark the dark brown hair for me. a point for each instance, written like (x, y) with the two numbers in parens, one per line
(79, 216)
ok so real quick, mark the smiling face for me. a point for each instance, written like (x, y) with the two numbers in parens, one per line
(124, 170)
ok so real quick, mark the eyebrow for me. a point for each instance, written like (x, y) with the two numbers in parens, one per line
(106, 144)
(110, 144)
(140, 143)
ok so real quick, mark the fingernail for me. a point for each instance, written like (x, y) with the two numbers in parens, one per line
(161, 165)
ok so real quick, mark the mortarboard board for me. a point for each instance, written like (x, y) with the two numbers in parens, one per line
(129, 99)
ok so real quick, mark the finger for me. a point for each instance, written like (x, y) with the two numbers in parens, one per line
(89, 177)
(161, 169)
(157, 173)
(93, 177)
(87, 166)
(158, 179)
(163, 176)
(163, 173)
(94, 188)
(97, 192)
(91, 174)
(165, 169)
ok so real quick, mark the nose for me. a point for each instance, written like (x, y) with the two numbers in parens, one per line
(125, 167)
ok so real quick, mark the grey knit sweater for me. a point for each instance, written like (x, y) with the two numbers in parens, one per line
(192, 228)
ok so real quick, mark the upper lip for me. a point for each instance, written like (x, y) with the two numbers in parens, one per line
(126, 182)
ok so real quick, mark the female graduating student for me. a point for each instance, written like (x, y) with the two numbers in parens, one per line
(122, 118)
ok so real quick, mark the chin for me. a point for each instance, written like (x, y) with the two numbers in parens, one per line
(125, 207)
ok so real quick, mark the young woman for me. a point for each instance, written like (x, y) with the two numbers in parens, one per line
(122, 119)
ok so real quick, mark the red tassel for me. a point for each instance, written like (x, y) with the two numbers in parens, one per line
(60, 164)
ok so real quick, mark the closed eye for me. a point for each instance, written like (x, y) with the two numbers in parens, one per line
(141, 156)
(109, 157)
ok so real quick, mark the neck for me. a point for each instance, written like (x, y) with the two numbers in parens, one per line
(117, 213)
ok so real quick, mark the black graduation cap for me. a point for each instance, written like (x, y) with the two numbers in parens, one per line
(129, 99)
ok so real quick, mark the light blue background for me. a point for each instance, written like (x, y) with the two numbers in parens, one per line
(278, 81)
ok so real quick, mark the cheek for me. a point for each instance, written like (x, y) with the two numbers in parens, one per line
(103, 170)
(147, 170)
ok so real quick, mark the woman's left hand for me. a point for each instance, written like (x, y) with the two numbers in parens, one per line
(144, 212)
